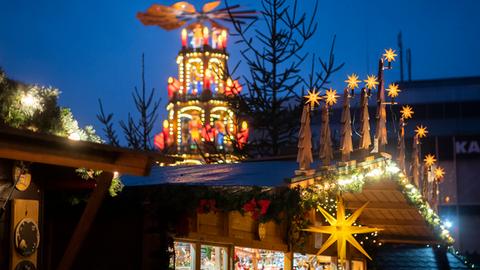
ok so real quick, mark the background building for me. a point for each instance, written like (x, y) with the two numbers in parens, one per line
(450, 110)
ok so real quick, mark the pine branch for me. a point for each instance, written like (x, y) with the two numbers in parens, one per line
(106, 121)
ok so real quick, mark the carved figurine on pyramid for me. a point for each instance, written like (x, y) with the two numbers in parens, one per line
(198, 98)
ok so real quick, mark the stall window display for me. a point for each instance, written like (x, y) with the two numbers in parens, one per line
(308, 262)
(184, 256)
(257, 259)
(213, 258)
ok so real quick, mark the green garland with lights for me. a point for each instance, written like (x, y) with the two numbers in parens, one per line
(35, 108)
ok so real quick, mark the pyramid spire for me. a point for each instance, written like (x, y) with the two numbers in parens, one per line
(381, 117)
(304, 155)
(415, 163)
(346, 146)
(401, 145)
(365, 139)
(326, 151)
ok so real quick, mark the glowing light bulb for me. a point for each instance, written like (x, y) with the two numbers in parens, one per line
(205, 35)
(74, 136)
(448, 224)
(28, 100)
(184, 38)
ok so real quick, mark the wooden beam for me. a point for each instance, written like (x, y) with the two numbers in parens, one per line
(392, 222)
(288, 260)
(198, 253)
(379, 205)
(88, 216)
(404, 240)
(48, 149)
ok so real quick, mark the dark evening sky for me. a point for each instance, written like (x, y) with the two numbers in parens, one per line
(92, 49)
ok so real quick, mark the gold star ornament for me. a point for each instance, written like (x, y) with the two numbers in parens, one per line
(389, 55)
(429, 160)
(331, 97)
(407, 112)
(421, 131)
(371, 82)
(313, 98)
(439, 173)
(352, 81)
(393, 90)
(341, 230)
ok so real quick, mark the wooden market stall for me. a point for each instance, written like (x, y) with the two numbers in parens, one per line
(235, 239)
(33, 165)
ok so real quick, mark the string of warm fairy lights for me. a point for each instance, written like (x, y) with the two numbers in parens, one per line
(354, 180)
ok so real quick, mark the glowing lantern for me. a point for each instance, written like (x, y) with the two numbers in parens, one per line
(173, 86)
(242, 135)
(165, 124)
(208, 133)
(224, 38)
(205, 35)
(184, 38)
(220, 42)
(232, 87)
(159, 141)
(207, 79)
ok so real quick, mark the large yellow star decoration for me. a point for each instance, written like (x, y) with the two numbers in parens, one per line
(352, 81)
(393, 90)
(371, 82)
(331, 97)
(407, 112)
(341, 230)
(429, 160)
(313, 98)
(439, 173)
(389, 55)
(421, 131)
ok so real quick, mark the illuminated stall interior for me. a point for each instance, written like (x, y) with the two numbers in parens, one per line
(214, 257)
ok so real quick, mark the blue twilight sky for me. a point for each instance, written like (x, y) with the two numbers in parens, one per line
(92, 49)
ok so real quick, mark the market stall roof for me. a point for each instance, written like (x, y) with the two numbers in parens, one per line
(41, 148)
(395, 257)
(265, 173)
(389, 209)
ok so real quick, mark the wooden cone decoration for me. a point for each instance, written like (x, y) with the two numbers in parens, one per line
(434, 195)
(304, 155)
(426, 182)
(365, 140)
(381, 126)
(326, 151)
(415, 166)
(346, 146)
(401, 146)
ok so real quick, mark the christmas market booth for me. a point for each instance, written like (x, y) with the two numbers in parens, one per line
(365, 215)
(39, 170)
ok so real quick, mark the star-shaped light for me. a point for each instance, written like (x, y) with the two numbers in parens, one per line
(313, 98)
(439, 173)
(421, 131)
(429, 160)
(393, 90)
(331, 97)
(371, 82)
(352, 81)
(407, 112)
(389, 55)
(341, 230)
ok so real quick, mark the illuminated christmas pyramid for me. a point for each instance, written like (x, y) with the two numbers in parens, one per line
(200, 119)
